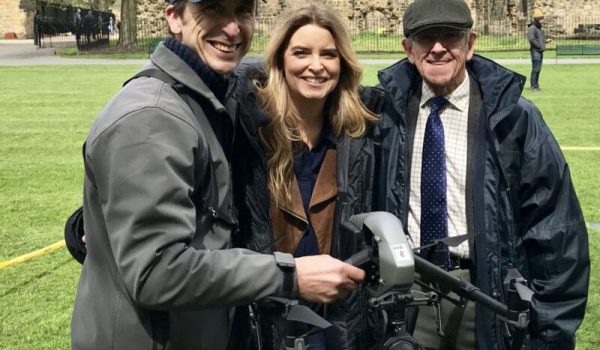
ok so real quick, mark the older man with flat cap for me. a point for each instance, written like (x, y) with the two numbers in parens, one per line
(463, 153)
(158, 210)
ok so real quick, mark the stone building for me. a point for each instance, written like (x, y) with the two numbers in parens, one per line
(377, 16)
(491, 16)
(16, 16)
(562, 17)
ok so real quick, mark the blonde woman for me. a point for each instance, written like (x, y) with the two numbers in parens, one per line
(315, 161)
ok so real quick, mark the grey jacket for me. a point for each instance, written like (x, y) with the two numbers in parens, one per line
(158, 273)
(536, 37)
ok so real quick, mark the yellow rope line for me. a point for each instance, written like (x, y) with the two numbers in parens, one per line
(576, 148)
(39, 252)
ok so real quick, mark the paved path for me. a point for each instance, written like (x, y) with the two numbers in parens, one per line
(502, 61)
(24, 53)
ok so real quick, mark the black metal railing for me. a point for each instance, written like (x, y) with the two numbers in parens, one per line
(374, 36)
(61, 25)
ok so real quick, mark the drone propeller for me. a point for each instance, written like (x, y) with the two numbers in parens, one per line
(293, 311)
(302, 313)
(515, 278)
(513, 274)
(454, 242)
(525, 293)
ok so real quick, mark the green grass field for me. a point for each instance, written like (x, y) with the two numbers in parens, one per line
(44, 118)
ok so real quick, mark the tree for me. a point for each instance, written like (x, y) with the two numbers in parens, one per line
(128, 27)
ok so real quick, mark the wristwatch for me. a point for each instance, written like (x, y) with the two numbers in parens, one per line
(287, 264)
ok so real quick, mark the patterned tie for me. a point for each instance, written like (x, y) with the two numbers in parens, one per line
(434, 210)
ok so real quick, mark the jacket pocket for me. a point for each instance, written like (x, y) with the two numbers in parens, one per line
(129, 333)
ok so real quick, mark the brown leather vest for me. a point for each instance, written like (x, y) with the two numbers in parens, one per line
(291, 220)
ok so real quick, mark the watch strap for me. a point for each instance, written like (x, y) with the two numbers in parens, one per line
(287, 264)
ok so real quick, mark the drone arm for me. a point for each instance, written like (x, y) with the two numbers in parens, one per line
(457, 285)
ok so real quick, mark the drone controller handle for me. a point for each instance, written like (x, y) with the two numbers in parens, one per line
(360, 258)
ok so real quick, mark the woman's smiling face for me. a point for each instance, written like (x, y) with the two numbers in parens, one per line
(311, 64)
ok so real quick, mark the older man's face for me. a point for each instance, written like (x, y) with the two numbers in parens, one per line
(441, 55)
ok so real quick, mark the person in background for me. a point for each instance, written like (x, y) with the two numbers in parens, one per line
(111, 24)
(158, 213)
(77, 26)
(464, 153)
(537, 46)
(90, 24)
(310, 165)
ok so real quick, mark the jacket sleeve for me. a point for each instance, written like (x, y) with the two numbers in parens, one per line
(555, 239)
(535, 37)
(145, 167)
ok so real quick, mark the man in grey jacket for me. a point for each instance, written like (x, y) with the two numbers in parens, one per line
(537, 46)
(158, 213)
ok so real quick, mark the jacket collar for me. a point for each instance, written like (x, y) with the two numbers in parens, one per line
(253, 115)
(500, 88)
(246, 105)
(177, 68)
(325, 188)
(401, 80)
(326, 185)
(535, 23)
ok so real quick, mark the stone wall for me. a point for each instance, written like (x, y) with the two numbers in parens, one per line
(562, 17)
(367, 15)
(491, 16)
(150, 9)
(16, 16)
(151, 18)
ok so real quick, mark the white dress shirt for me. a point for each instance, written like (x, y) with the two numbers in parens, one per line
(455, 118)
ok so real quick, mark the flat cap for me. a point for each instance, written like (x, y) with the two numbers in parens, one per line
(425, 14)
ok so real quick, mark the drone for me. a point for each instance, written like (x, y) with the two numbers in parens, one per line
(391, 264)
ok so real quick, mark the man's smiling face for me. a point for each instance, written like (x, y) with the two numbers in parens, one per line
(219, 31)
(440, 55)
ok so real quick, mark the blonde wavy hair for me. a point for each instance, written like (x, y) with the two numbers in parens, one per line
(344, 110)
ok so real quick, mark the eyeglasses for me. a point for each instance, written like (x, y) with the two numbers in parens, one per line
(451, 38)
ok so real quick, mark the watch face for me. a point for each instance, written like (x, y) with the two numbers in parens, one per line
(284, 260)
